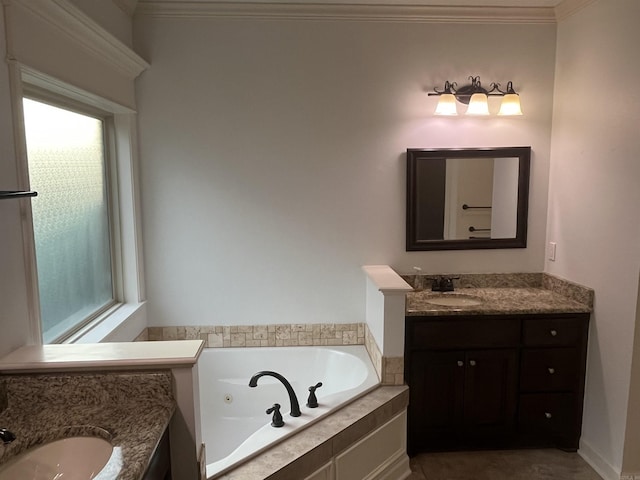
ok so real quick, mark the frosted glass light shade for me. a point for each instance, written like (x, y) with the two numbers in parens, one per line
(478, 105)
(510, 105)
(446, 105)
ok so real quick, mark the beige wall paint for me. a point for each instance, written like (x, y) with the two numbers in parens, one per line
(631, 458)
(273, 157)
(110, 17)
(593, 203)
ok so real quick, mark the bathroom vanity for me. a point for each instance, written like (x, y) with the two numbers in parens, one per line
(125, 393)
(496, 367)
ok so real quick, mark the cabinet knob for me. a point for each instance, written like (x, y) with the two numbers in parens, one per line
(551, 370)
(472, 363)
(548, 415)
(553, 333)
(460, 363)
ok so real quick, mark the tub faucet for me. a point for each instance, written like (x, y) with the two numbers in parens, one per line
(295, 407)
(6, 436)
(312, 401)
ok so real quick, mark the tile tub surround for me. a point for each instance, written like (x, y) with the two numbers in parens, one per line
(389, 369)
(507, 294)
(275, 335)
(133, 407)
(299, 456)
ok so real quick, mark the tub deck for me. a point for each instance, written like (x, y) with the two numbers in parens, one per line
(301, 455)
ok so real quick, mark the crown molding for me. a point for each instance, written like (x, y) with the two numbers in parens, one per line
(345, 12)
(63, 15)
(127, 6)
(569, 7)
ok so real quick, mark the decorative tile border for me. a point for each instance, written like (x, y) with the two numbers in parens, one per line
(392, 370)
(389, 369)
(275, 335)
(374, 352)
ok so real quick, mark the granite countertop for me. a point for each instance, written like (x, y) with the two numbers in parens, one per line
(506, 294)
(495, 301)
(131, 409)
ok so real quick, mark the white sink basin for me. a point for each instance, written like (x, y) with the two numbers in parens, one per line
(454, 300)
(72, 458)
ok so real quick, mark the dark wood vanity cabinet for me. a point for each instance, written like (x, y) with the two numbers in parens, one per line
(497, 381)
(552, 368)
(159, 467)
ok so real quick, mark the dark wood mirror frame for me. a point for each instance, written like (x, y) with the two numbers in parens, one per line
(415, 155)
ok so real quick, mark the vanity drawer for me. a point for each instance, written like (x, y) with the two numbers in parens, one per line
(553, 331)
(549, 369)
(464, 333)
(549, 419)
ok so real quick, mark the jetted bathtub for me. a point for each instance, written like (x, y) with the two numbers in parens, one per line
(235, 426)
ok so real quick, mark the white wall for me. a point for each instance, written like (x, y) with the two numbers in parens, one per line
(37, 44)
(594, 200)
(110, 17)
(273, 157)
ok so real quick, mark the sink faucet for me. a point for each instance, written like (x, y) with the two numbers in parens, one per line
(295, 406)
(443, 284)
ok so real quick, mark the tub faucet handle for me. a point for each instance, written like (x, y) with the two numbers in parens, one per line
(276, 421)
(6, 436)
(312, 401)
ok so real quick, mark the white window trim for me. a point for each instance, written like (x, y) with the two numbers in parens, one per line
(127, 318)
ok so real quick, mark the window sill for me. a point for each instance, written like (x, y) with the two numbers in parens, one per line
(122, 323)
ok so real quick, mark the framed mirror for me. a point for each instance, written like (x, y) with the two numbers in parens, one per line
(467, 198)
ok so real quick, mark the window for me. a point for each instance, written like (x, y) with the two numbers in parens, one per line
(68, 167)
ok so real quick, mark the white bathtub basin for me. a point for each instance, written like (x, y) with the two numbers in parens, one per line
(72, 458)
(235, 426)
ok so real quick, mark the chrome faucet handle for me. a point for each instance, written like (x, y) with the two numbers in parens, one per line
(6, 436)
(277, 420)
(312, 401)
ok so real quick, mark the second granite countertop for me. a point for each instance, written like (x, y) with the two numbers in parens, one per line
(504, 294)
(495, 301)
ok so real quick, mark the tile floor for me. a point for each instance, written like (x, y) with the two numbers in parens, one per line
(501, 465)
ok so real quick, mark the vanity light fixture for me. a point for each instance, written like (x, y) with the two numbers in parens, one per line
(476, 97)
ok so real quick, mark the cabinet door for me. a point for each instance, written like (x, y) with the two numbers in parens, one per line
(490, 396)
(436, 383)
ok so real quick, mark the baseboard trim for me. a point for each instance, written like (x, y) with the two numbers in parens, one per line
(395, 467)
(599, 464)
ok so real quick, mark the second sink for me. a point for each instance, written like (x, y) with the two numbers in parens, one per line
(454, 300)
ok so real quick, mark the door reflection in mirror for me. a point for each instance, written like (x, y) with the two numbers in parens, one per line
(467, 198)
